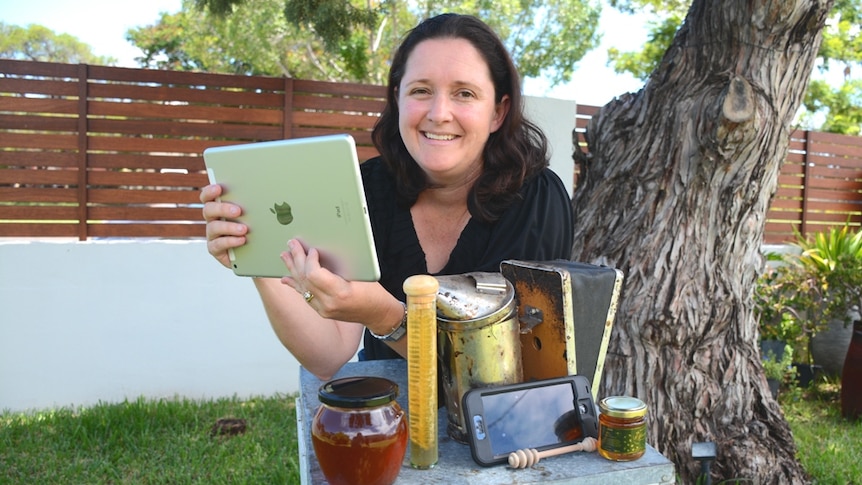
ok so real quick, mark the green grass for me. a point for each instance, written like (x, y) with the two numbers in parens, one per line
(829, 447)
(170, 441)
(152, 441)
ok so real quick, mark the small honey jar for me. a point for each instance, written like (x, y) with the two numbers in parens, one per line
(622, 428)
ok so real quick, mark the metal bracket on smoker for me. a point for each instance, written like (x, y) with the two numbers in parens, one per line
(490, 283)
(531, 317)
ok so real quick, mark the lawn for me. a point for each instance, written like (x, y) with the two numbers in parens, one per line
(828, 446)
(153, 441)
(180, 441)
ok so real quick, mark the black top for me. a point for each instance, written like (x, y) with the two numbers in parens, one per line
(538, 226)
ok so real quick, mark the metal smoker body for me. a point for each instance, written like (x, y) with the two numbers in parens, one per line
(478, 338)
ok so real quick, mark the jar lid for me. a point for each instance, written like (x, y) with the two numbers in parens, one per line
(358, 392)
(623, 407)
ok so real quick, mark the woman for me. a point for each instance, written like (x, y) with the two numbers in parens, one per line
(461, 184)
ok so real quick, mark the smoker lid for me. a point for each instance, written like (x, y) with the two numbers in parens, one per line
(472, 296)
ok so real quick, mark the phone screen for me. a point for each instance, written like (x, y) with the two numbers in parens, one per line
(530, 418)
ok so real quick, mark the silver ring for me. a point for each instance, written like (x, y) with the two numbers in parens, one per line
(308, 296)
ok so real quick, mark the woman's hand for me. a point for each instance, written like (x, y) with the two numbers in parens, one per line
(328, 293)
(222, 234)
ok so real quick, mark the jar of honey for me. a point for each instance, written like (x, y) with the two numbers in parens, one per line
(359, 432)
(622, 428)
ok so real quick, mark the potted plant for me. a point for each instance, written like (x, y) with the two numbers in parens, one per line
(777, 298)
(834, 260)
(814, 289)
(778, 370)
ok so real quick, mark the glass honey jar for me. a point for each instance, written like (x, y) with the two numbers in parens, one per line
(359, 432)
(622, 428)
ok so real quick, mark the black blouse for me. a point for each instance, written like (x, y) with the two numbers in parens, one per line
(536, 227)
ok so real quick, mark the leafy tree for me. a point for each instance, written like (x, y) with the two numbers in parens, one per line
(352, 41)
(836, 109)
(254, 41)
(39, 43)
(842, 44)
(674, 192)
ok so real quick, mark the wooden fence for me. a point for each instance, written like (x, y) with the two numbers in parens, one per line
(91, 151)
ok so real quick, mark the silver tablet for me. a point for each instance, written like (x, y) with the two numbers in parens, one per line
(308, 189)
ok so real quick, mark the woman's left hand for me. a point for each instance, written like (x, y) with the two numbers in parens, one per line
(324, 290)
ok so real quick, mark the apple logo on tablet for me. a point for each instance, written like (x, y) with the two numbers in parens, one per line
(283, 213)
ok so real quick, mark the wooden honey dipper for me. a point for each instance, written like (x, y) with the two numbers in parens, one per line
(529, 457)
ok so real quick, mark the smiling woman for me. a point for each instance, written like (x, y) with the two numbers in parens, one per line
(462, 183)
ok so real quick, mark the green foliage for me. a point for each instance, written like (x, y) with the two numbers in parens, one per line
(835, 109)
(254, 40)
(822, 282)
(642, 64)
(341, 40)
(39, 43)
(841, 106)
(834, 260)
(778, 295)
(332, 20)
(152, 441)
(779, 369)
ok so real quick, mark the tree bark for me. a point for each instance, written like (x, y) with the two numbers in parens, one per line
(674, 191)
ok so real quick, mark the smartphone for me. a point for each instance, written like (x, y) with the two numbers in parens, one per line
(542, 414)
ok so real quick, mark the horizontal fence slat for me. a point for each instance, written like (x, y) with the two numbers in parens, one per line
(151, 145)
(56, 106)
(38, 123)
(185, 112)
(177, 128)
(29, 176)
(152, 179)
(192, 163)
(41, 229)
(142, 196)
(186, 94)
(30, 194)
(32, 212)
(20, 158)
(38, 140)
(155, 230)
(99, 213)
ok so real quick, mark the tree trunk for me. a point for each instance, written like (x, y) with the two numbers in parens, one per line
(675, 192)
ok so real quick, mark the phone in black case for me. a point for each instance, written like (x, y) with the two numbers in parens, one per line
(541, 414)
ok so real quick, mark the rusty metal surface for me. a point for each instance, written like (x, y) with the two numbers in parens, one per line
(578, 304)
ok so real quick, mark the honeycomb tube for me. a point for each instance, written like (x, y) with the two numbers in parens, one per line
(421, 293)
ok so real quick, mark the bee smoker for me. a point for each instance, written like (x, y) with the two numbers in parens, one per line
(478, 338)
(533, 320)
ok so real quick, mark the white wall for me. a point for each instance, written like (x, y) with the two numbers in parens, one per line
(556, 117)
(83, 322)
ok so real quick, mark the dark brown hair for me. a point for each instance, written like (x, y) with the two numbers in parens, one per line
(513, 153)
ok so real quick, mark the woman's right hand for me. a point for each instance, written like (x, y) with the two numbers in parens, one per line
(222, 233)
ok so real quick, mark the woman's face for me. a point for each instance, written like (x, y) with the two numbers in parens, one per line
(447, 109)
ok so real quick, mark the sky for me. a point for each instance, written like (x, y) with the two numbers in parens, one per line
(103, 24)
